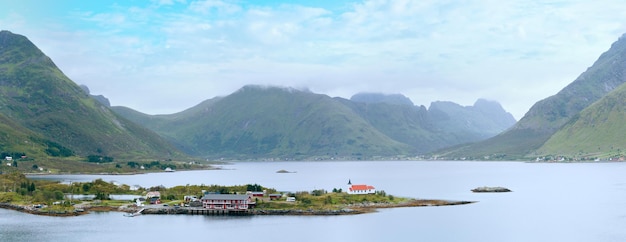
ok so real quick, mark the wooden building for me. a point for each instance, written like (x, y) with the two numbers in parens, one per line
(231, 202)
(360, 189)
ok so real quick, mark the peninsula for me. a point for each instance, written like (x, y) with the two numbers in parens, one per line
(55, 199)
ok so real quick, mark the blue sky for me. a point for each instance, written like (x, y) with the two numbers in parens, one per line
(165, 56)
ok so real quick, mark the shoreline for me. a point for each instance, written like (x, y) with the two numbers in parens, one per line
(30, 210)
(346, 209)
(35, 174)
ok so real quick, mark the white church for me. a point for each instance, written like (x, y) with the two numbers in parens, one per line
(360, 189)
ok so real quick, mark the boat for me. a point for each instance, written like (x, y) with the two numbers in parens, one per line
(134, 214)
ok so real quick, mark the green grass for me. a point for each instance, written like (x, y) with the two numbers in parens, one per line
(328, 201)
(597, 132)
(548, 116)
(41, 108)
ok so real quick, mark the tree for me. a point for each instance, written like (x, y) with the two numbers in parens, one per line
(328, 200)
(318, 192)
(58, 195)
(254, 188)
(86, 187)
(101, 196)
(15, 163)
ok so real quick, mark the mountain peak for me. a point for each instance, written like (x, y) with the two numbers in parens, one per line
(8, 40)
(484, 104)
(7, 35)
(17, 49)
(368, 97)
(254, 87)
(45, 101)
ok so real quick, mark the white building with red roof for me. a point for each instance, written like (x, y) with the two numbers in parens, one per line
(360, 188)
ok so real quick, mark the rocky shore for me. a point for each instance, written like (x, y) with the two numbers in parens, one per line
(349, 209)
(32, 210)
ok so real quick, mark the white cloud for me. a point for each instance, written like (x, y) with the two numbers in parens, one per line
(167, 2)
(206, 6)
(516, 52)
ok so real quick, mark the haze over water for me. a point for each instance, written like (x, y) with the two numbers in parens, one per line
(549, 202)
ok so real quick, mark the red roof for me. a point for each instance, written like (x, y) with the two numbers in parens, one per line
(361, 187)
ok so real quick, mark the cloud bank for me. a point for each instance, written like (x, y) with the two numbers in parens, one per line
(165, 56)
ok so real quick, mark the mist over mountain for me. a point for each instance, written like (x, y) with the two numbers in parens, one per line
(45, 114)
(482, 120)
(279, 122)
(398, 99)
(43, 108)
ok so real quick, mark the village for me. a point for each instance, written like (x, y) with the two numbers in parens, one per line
(215, 203)
(50, 198)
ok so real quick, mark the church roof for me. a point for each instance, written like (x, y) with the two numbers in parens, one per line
(361, 187)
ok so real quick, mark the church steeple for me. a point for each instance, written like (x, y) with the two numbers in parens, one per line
(349, 182)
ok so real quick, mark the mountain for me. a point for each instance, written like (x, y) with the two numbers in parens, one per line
(483, 120)
(549, 115)
(443, 124)
(597, 132)
(276, 122)
(398, 99)
(100, 98)
(37, 98)
(17, 141)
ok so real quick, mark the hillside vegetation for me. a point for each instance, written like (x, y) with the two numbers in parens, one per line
(260, 122)
(597, 132)
(46, 115)
(548, 116)
(49, 119)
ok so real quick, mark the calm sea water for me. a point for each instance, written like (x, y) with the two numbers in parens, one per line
(549, 202)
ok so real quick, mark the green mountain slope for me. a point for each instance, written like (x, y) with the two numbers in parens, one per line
(15, 140)
(483, 120)
(597, 132)
(272, 122)
(404, 123)
(277, 122)
(397, 99)
(443, 124)
(549, 115)
(37, 96)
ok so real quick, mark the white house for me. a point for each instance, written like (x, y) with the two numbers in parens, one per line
(154, 197)
(360, 189)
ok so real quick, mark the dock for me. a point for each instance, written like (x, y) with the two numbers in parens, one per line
(195, 211)
(199, 211)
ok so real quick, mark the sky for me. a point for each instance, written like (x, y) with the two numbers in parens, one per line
(164, 56)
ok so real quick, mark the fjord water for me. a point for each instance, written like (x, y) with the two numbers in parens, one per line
(549, 202)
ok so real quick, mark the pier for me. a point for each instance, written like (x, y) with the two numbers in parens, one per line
(195, 211)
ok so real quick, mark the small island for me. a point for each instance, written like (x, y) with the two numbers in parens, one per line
(491, 189)
(285, 171)
(56, 199)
